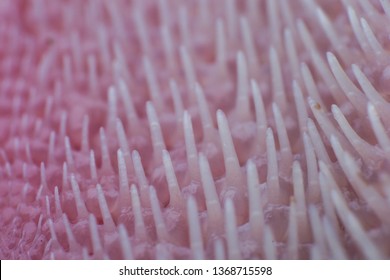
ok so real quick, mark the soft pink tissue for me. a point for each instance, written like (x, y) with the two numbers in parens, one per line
(172, 129)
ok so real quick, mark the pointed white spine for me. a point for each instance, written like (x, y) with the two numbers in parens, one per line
(85, 253)
(67, 70)
(386, 7)
(76, 50)
(161, 252)
(372, 94)
(249, 44)
(141, 177)
(108, 222)
(177, 102)
(155, 131)
(45, 65)
(285, 148)
(256, 216)
(220, 45)
(25, 171)
(242, 99)
(370, 10)
(127, 250)
(196, 237)
(277, 79)
(204, 14)
(65, 184)
(219, 250)
(126, 96)
(106, 160)
(64, 117)
(112, 107)
(92, 166)
(293, 239)
(189, 70)
(233, 246)
(331, 34)
(168, 48)
(50, 153)
(318, 62)
(82, 212)
(357, 30)
(269, 247)
(274, 22)
(261, 118)
(92, 74)
(354, 95)
(95, 239)
(8, 169)
(68, 153)
(318, 231)
(184, 28)
(69, 234)
(326, 125)
(154, 88)
(104, 51)
(312, 170)
(175, 197)
(47, 204)
(53, 234)
(57, 202)
(253, 11)
(299, 188)
(163, 7)
(327, 182)
(232, 166)
(192, 154)
(372, 197)
(300, 106)
(120, 69)
(122, 139)
(39, 192)
(16, 147)
(367, 152)
(333, 241)
(231, 19)
(372, 40)
(214, 210)
(379, 130)
(161, 230)
(39, 228)
(310, 85)
(39, 124)
(207, 122)
(272, 166)
(355, 229)
(292, 54)
(85, 135)
(142, 33)
(317, 142)
(123, 181)
(28, 153)
(139, 224)
(43, 176)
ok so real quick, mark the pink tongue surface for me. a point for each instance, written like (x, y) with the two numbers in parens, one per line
(169, 129)
(83, 173)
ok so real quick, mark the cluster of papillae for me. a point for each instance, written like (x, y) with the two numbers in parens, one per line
(194, 129)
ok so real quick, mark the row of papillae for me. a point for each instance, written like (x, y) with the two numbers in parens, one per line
(135, 131)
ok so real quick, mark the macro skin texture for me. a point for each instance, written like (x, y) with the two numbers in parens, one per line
(153, 129)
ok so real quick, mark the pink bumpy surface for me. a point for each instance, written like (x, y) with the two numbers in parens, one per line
(194, 129)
